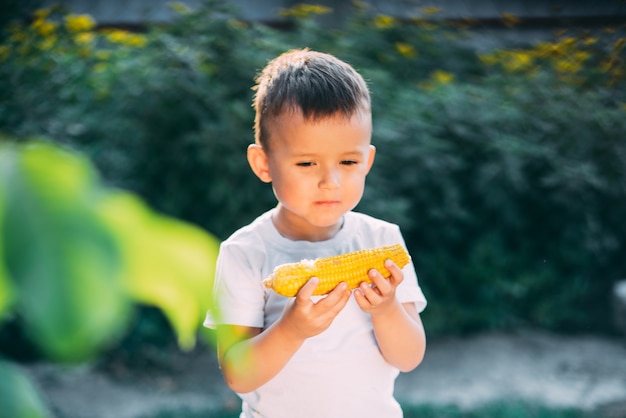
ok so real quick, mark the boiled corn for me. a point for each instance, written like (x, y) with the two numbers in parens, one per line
(352, 268)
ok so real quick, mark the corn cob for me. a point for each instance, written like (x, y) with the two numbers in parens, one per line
(352, 268)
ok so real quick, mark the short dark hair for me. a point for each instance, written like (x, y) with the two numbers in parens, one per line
(318, 84)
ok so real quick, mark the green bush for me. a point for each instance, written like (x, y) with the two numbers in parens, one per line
(514, 194)
(505, 170)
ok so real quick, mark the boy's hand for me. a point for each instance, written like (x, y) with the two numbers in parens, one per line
(304, 318)
(381, 295)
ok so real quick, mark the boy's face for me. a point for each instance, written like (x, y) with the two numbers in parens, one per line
(317, 170)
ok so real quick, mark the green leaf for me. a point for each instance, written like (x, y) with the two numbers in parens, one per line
(18, 397)
(170, 264)
(63, 259)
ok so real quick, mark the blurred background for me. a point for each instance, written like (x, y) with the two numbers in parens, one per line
(500, 128)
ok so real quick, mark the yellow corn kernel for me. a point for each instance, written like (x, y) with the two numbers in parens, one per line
(352, 268)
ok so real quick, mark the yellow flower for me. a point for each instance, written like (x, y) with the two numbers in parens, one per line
(316, 9)
(180, 8)
(517, 61)
(466, 23)
(523, 57)
(48, 43)
(590, 41)
(568, 43)
(510, 20)
(384, 21)
(79, 23)
(574, 62)
(623, 106)
(581, 56)
(44, 27)
(406, 50)
(237, 24)
(488, 59)
(116, 35)
(442, 77)
(123, 37)
(305, 10)
(606, 65)
(136, 40)
(548, 49)
(430, 10)
(18, 37)
(560, 32)
(41, 14)
(423, 23)
(567, 66)
(84, 38)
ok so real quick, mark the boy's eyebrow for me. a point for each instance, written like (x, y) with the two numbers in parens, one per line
(313, 154)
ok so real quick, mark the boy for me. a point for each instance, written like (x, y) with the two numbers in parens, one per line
(334, 356)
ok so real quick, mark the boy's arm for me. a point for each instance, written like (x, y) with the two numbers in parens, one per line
(249, 357)
(397, 326)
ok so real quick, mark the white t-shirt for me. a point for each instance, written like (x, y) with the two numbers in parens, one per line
(339, 373)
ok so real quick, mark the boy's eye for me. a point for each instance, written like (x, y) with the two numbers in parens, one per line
(304, 164)
(349, 162)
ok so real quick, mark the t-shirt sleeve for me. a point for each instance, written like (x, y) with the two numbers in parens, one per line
(238, 294)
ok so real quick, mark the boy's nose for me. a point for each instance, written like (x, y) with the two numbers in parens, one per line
(330, 179)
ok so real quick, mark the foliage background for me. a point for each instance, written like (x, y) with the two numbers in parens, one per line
(505, 170)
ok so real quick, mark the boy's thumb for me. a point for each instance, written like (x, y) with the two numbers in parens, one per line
(309, 287)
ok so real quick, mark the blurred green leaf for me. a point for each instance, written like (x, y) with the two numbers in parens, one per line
(18, 397)
(78, 254)
(169, 264)
(62, 258)
(6, 291)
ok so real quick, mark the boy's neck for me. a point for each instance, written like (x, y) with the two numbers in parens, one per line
(297, 231)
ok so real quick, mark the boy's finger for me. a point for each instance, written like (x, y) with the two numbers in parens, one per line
(378, 281)
(362, 300)
(338, 296)
(337, 292)
(396, 272)
(373, 294)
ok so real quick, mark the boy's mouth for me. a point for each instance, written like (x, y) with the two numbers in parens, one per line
(327, 202)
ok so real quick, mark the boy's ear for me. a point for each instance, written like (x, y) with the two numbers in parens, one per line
(370, 158)
(257, 158)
